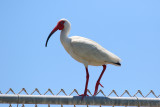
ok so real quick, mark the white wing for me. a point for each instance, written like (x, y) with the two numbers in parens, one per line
(91, 51)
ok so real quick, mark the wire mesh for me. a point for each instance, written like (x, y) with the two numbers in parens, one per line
(113, 92)
(62, 91)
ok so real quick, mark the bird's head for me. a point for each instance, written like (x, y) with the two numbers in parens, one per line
(62, 24)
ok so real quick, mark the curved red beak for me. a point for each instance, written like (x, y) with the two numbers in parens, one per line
(59, 26)
(54, 30)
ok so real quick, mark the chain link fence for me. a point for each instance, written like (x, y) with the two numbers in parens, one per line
(105, 99)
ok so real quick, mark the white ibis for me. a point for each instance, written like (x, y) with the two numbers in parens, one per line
(85, 51)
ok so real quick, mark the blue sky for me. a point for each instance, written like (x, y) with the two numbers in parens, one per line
(128, 28)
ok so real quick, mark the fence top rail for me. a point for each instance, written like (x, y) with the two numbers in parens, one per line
(77, 100)
(100, 92)
(49, 97)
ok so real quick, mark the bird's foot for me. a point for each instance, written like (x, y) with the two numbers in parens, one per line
(101, 85)
(83, 95)
(96, 88)
(95, 92)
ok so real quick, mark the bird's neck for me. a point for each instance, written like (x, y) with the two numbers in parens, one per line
(64, 36)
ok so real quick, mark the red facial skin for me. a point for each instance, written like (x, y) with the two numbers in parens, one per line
(60, 25)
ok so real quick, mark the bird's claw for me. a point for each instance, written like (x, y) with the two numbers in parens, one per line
(83, 95)
(98, 83)
(96, 88)
(101, 84)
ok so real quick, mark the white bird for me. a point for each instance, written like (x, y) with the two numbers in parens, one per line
(85, 51)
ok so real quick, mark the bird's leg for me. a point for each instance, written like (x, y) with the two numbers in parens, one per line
(87, 79)
(98, 81)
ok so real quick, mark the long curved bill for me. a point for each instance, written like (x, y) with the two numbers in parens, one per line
(54, 30)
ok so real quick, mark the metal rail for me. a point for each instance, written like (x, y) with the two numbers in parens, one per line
(76, 100)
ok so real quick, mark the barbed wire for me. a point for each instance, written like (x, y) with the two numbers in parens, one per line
(113, 92)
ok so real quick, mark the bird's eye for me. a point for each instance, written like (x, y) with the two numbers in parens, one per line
(62, 22)
(61, 25)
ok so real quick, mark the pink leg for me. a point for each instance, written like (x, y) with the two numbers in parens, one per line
(87, 79)
(98, 81)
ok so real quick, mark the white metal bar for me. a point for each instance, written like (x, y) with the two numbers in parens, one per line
(76, 100)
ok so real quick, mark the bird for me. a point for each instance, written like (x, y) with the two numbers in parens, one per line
(85, 51)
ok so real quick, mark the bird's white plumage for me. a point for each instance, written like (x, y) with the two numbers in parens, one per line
(85, 50)
(91, 52)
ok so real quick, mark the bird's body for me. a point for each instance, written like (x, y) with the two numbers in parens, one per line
(85, 51)
(89, 52)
